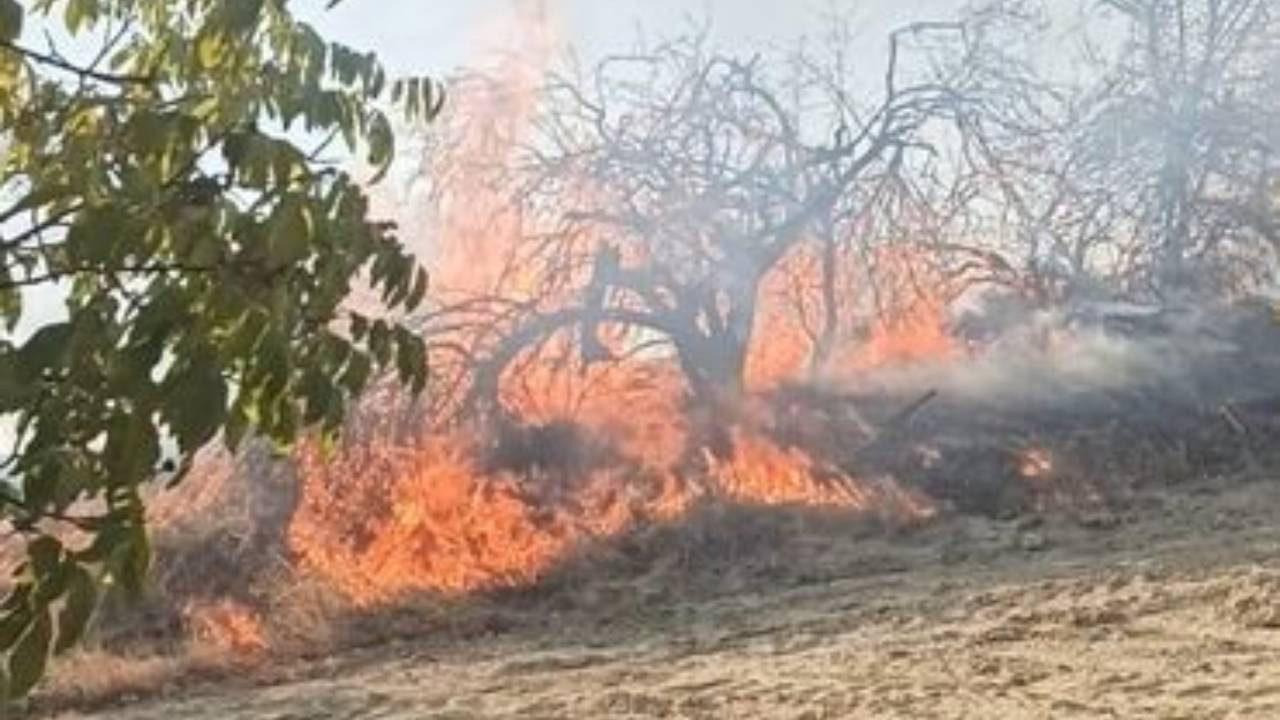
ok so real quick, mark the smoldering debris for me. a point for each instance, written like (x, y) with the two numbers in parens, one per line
(1068, 409)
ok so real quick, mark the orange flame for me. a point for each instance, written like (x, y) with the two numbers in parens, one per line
(908, 306)
(762, 473)
(1035, 463)
(227, 625)
(449, 527)
(912, 327)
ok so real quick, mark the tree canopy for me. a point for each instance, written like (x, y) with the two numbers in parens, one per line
(168, 180)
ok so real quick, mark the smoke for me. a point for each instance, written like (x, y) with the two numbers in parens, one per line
(1195, 357)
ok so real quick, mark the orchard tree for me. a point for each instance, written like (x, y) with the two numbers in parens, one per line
(164, 180)
(1149, 177)
(660, 188)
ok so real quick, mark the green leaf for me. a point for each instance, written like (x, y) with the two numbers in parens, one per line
(320, 396)
(236, 428)
(76, 477)
(411, 360)
(211, 49)
(10, 76)
(273, 364)
(16, 619)
(381, 145)
(243, 15)
(419, 292)
(46, 555)
(30, 655)
(95, 235)
(19, 597)
(39, 487)
(132, 450)
(79, 13)
(291, 231)
(81, 598)
(195, 404)
(51, 587)
(246, 333)
(46, 349)
(357, 373)
(10, 20)
(15, 389)
(10, 308)
(287, 162)
(359, 326)
(380, 342)
(130, 559)
(236, 147)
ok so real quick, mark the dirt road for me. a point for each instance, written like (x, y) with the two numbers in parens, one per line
(1172, 611)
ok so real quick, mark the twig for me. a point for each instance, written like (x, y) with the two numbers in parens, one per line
(904, 415)
(90, 73)
(1233, 419)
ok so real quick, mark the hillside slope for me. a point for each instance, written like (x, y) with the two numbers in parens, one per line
(1172, 610)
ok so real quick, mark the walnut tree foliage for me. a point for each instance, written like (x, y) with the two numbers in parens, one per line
(172, 187)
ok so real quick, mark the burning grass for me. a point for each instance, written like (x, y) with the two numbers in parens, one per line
(449, 527)
(451, 573)
(462, 535)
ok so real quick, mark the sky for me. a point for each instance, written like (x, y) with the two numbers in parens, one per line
(412, 36)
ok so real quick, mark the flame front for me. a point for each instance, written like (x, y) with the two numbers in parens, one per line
(449, 527)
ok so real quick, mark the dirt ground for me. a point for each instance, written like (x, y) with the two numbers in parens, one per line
(1168, 610)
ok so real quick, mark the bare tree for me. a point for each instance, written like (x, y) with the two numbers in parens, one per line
(1153, 178)
(661, 187)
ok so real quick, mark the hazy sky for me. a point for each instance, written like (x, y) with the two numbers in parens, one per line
(420, 37)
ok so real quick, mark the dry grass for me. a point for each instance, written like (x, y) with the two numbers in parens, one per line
(96, 678)
(180, 635)
(226, 602)
(1168, 613)
(219, 576)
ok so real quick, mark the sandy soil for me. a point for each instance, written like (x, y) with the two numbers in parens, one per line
(1171, 610)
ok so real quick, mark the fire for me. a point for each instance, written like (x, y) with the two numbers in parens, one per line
(227, 626)
(762, 473)
(913, 328)
(433, 513)
(1056, 482)
(790, 318)
(1035, 462)
(908, 306)
(475, 220)
(919, 334)
(449, 526)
